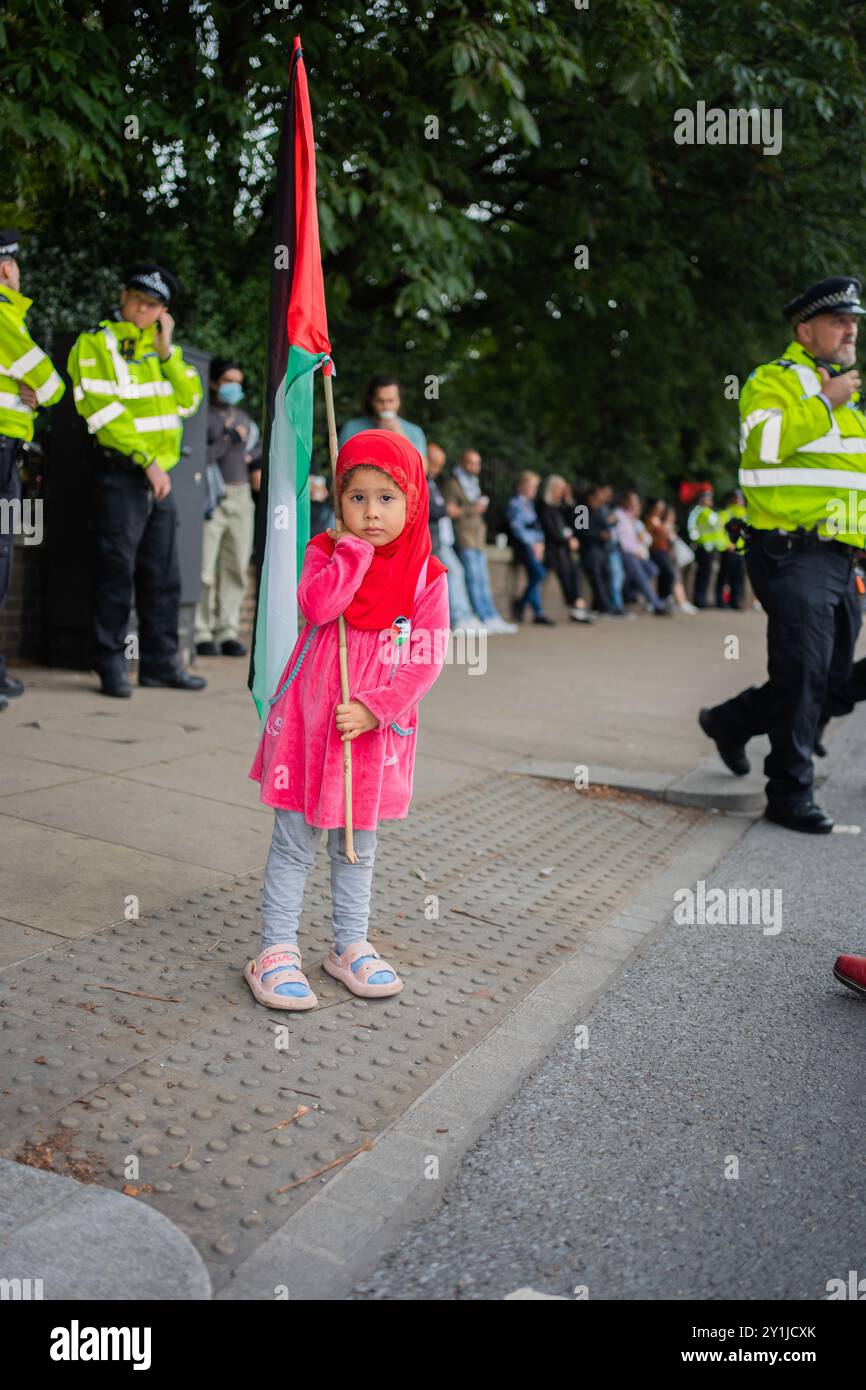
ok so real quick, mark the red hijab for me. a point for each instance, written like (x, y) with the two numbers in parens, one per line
(387, 590)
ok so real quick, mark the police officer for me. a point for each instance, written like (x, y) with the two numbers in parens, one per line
(134, 390)
(27, 380)
(802, 470)
(708, 538)
(732, 564)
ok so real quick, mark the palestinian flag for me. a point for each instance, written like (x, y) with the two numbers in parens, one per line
(298, 344)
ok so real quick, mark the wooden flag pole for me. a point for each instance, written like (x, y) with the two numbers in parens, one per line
(341, 624)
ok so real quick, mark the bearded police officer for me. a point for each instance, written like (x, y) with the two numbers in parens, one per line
(134, 390)
(803, 471)
(27, 380)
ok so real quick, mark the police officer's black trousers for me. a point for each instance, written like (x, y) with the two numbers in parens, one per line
(135, 545)
(564, 566)
(843, 698)
(597, 568)
(10, 491)
(703, 574)
(813, 617)
(732, 573)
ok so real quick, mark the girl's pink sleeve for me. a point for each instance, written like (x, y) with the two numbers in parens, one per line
(329, 583)
(428, 645)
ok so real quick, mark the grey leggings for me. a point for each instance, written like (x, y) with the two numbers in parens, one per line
(291, 857)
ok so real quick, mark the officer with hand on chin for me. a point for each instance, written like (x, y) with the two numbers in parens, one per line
(134, 390)
(803, 458)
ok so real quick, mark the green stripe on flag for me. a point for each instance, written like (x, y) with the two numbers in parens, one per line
(288, 523)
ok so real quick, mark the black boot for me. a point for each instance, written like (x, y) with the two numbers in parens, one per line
(806, 817)
(174, 678)
(732, 754)
(113, 682)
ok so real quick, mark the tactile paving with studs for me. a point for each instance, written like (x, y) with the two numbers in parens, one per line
(476, 898)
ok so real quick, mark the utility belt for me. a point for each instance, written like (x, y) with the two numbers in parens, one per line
(111, 460)
(799, 539)
(12, 445)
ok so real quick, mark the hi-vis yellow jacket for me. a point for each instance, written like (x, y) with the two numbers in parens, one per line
(21, 360)
(132, 401)
(802, 464)
(705, 529)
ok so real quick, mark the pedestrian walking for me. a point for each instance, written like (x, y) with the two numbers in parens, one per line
(377, 569)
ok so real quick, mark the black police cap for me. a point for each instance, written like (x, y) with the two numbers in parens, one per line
(151, 279)
(838, 294)
(10, 241)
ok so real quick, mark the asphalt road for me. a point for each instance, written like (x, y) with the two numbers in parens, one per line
(607, 1171)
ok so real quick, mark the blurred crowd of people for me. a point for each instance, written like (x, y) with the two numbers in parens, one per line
(611, 555)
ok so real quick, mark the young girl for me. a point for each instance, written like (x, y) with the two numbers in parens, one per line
(377, 570)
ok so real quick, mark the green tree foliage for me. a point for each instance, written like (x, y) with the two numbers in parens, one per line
(465, 150)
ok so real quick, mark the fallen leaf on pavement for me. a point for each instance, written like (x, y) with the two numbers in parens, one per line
(301, 1110)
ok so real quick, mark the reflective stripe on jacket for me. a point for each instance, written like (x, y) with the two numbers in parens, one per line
(131, 400)
(22, 360)
(705, 529)
(802, 464)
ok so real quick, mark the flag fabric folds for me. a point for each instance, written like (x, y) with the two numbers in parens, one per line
(297, 344)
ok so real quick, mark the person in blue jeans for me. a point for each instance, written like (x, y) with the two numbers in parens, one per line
(528, 538)
(442, 539)
(463, 489)
(634, 541)
(615, 561)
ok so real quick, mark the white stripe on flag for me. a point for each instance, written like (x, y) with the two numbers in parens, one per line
(279, 584)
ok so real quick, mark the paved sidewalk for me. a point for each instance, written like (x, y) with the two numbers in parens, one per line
(101, 799)
(134, 851)
(707, 1143)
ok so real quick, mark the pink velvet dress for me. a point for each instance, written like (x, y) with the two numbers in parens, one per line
(299, 762)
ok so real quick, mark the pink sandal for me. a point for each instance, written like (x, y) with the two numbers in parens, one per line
(371, 963)
(282, 964)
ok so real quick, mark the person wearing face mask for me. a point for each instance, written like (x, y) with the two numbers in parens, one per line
(134, 390)
(228, 529)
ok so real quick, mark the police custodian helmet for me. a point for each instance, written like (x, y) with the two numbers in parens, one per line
(10, 242)
(151, 279)
(838, 294)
